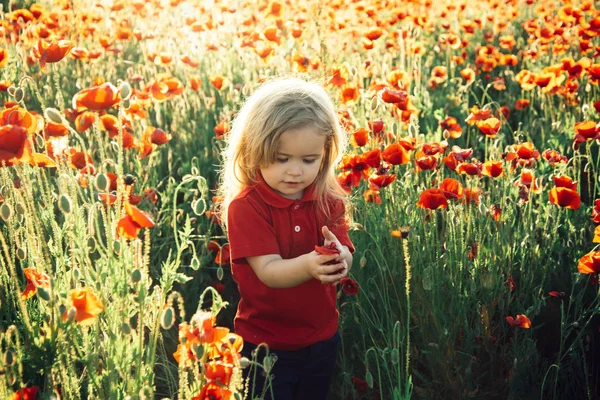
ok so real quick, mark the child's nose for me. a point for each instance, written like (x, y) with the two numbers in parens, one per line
(295, 169)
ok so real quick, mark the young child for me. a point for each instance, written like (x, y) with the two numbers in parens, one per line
(281, 199)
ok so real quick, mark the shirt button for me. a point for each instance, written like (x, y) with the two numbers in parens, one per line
(296, 207)
(297, 228)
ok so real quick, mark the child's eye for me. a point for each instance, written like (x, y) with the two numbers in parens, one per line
(310, 161)
(281, 160)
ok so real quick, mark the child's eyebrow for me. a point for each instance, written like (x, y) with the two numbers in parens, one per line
(307, 155)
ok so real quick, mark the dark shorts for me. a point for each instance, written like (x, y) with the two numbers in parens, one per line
(303, 374)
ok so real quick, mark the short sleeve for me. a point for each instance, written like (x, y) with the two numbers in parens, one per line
(249, 232)
(339, 225)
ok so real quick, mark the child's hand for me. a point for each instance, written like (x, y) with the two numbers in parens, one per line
(319, 268)
(331, 238)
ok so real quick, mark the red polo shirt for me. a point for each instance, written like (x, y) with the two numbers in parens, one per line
(262, 222)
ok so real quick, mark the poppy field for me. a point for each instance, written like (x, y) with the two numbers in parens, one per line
(473, 168)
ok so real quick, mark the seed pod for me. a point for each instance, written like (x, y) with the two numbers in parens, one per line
(53, 115)
(395, 128)
(43, 293)
(167, 319)
(64, 204)
(19, 94)
(76, 273)
(126, 328)
(125, 90)
(129, 179)
(39, 139)
(11, 90)
(102, 183)
(21, 253)
(6, 212)
(20, 209)
(136, 275)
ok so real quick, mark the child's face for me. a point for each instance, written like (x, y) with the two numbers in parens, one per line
(297, 162)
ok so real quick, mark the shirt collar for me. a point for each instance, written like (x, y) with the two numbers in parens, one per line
(274, 199)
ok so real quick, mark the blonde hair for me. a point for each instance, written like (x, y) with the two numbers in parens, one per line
(276, 107)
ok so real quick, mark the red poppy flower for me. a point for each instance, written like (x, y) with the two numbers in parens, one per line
(496, 212)
(359, 384)
(586, 130)
(96, 98)
(26, 393)
(378, 181)
(521, 321)
(359, 138)
(214, 391)
(590, 263)
(136, 219)
(14, 144)
(394, 96)
(372, 158)
(349, 286)
(528, 181)
(52, 52)
(554, 157)
(478, 115)
(223, 256)
(432, 199)
(522, 104)
(489, 127)
(596, 211)
(565, 181)
(471, 195)
(510, 283)
(452, 126)
(451, 188)
(35, 279)
(565, 197)
(425, 162)
(372, 196)
(395, 154)
(472, 168)
(493, 169)
(87, 305)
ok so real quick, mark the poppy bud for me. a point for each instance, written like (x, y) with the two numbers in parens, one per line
(53, 115)
(102, 182)
(198, 350)
(195, 264)
(91, 244)
(369, 379)
(125, 90)
(395, 356)
(136, 275)
(11, 90)
(19, 94)
(43, 293)
(116, 246)
(129, 179)
(446, 134)
(21, 253)
(76, 273)
(244, 362)
(363, 261)
(10, 357)
(6, 212)
(199, 206)
(39, 140)
(64, 204)
(167, 319)
(374, 103)
(394, 128)
(71, 314)
(220, 273)
(126, 328)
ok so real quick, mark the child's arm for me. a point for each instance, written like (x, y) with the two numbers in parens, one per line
(276, 272)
